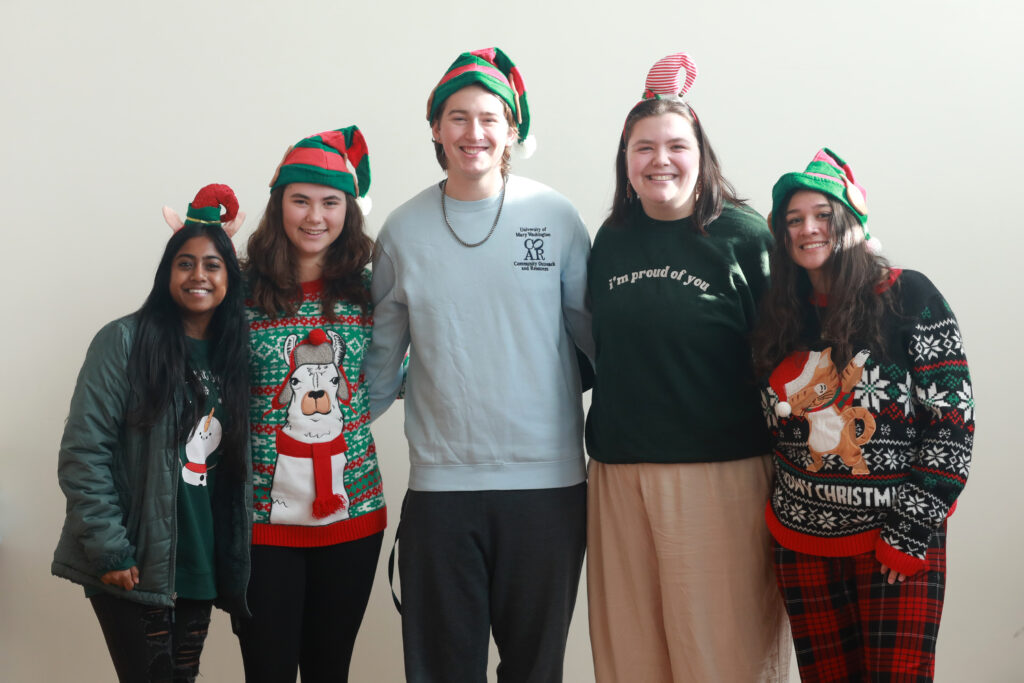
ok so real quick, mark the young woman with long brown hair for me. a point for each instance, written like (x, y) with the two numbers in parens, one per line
(679, 574)
(319, 506)
(871, 410)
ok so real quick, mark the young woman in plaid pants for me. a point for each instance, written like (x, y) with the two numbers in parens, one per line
(870, 405)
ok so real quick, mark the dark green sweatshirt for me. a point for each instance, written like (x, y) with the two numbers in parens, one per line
(672, 310)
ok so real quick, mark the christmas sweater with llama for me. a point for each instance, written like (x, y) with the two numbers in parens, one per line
(871, 456)
(315, 476)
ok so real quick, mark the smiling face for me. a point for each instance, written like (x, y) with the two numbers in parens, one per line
(662, 164)
(473, 131)
(809, 235)
(313, 217)
(199, 283)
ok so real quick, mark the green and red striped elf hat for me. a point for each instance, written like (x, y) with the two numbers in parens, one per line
(830, 175)
(335, 158)
(494, 71)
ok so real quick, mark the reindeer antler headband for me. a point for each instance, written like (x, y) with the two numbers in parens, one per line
(205, 210)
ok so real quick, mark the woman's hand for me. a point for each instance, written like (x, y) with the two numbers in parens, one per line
(127, 578)
(893, 575)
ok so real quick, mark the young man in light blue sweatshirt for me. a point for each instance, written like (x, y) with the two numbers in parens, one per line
(484, 274)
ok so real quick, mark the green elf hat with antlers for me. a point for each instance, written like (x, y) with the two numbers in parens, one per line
(205, 210)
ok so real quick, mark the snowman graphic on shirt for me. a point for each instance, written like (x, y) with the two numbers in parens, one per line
(202, 442)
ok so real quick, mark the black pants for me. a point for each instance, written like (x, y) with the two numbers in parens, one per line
(307, 605)
(150, 643)
(473, 562)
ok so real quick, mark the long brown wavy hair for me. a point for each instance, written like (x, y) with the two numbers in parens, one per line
(855, 306)
(270, 267)
(713, 190)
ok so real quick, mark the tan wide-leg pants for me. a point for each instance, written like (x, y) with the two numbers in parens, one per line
(680, 579)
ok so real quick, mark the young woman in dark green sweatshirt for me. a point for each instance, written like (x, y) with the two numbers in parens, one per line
(679, 572)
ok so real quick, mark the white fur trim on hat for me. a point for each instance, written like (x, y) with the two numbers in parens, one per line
(526, 148)
(365, 204)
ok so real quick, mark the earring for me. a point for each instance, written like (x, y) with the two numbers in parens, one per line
(630, 194)
(697, 190)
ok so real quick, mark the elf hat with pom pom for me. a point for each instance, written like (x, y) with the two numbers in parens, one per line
(205, 210)
(494, 71)
(335, 158)
(830, 175)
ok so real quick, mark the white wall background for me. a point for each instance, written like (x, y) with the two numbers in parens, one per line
(112, 109)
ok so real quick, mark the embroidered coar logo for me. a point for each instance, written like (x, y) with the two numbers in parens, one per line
(533, 252)
(534, 249)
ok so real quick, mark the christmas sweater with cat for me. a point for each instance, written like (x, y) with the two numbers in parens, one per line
(871, 456)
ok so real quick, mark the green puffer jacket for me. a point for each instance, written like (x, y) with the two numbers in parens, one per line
(121, 489)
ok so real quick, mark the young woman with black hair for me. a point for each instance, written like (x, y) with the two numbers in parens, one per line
(154, 459)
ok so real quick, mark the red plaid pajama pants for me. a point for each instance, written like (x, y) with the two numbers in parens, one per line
(850, 625)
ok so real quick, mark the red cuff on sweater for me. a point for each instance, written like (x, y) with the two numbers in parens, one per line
(894, 559)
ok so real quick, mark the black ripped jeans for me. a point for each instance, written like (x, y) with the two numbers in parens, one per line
(155, 644)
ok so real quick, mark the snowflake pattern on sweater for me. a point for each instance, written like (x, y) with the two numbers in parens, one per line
(873, 457)
(268, 370)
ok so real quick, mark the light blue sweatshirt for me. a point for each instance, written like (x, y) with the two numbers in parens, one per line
(492, 398)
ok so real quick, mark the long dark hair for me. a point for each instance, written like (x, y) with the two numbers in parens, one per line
(270, 266)
(713, 190)
(158, 364)
(855, 306)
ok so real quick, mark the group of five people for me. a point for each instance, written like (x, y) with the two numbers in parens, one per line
(218, 449)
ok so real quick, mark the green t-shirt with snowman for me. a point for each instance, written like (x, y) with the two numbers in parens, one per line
(195, 577)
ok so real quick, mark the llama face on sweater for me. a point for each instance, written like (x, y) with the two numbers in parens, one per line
(309, 482)
(315, 388)
(314, 413)
(815, 390)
